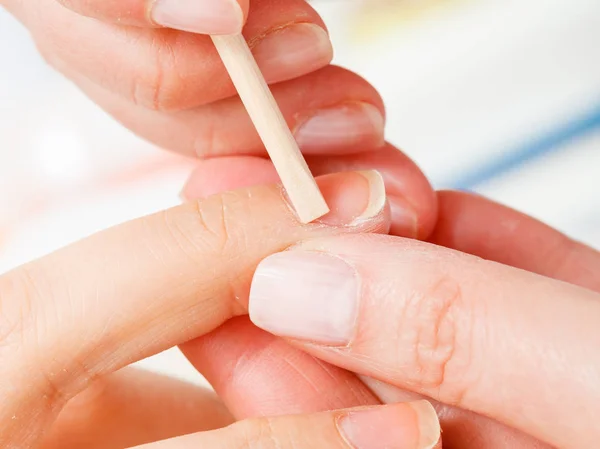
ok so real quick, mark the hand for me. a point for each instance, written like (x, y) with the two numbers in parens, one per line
(170, 87)
(81, 314)
(271, 377)
(512, 345)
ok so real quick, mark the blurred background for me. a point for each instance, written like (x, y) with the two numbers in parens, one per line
(501, 97)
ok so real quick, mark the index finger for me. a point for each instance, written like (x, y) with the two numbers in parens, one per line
(147, 285)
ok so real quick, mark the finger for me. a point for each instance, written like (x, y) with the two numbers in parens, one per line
(132, 407)
(454, 328)
(478, 226)
(166, 69)
(257, 374)
(401, 426)
(201, 16)
(411, 198)
(147, 285)
(330, 111)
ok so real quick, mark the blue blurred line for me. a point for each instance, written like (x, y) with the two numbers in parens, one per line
(536, 149)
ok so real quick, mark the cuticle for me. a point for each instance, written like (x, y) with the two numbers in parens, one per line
(149, 8)
(337, 420)
(252, 42)
(300, 118)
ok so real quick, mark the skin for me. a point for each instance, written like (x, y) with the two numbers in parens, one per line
(466, 223)
(474, 225)
(45, 294)
(170, 88)
(64, 334)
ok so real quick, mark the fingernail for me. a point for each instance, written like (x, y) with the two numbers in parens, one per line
(292, 51)
(354, 198)
(307, 296)
(401, 426)
(199, 16)
(343, 126)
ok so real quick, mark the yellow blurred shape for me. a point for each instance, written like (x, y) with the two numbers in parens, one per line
(374, 18)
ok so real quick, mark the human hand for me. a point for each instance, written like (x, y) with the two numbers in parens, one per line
(513, 345)
(82, 313)
(170, 87)
(257, 374)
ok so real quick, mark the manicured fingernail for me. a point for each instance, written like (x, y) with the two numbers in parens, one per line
(348, 124)
(306, 295)
(292, 51)
(401, 426)
(199, 16)
(354, 198)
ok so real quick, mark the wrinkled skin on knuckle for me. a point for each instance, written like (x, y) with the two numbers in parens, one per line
(255, 434)
(158, 84)
(211, 228)
(286, 433)
(15, 304)
(33, 309)
(25, 296)
(26, 391)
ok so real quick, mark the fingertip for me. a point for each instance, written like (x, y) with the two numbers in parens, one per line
(354, 198)
(428, 424)
(406, 425)
(215, 17)
(413, 202)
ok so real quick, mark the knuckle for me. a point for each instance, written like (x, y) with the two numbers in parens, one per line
(20, 339)
(440, 327)
(257, 434)
(207, 141)
(92, 400)
(158, 84)
(16, 292)
(278, 433)
(211, 226)
(29, 327)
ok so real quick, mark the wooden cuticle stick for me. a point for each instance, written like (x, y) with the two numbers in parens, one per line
(304, 194)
